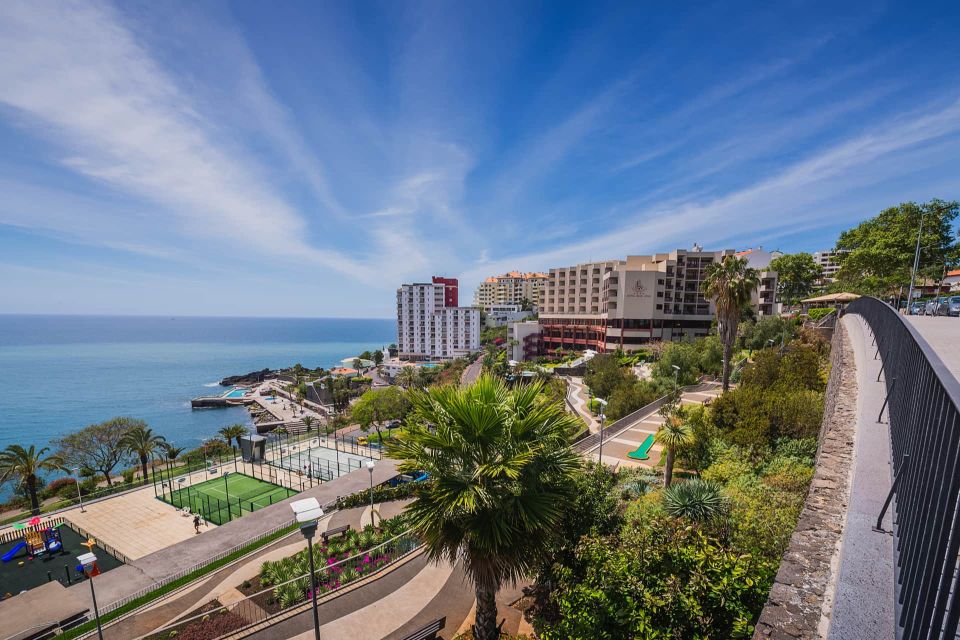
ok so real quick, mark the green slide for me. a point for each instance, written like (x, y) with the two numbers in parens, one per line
(643, 451)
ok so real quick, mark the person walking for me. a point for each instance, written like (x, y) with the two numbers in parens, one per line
(196, 523)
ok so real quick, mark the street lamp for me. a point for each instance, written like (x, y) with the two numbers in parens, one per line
(676, 376)
(307, 511)
(916, 265)
(370, 466)
(603, 404)
(76, 474)
(88, 562)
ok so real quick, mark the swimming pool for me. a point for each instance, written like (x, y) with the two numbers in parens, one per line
(235, 393)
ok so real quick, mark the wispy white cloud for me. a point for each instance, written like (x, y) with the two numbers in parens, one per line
(76, 75)
(808, 193)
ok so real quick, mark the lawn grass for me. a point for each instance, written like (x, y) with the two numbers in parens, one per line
(219, 500)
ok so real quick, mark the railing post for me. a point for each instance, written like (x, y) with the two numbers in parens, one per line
(893, 383)
(893, 488)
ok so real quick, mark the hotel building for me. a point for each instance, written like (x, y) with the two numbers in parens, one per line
(628, 303)
(430, 325)
(829, 262)
(511, 289)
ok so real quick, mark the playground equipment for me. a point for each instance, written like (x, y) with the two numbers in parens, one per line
(36, 542)
(643, 451)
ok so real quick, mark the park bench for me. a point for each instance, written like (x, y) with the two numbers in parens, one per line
(428, 631)
(326, 535)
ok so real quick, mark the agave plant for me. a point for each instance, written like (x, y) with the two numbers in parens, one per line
(366, 539)
(697, 500)
(271, 573)
(349, 574)
(289, 594)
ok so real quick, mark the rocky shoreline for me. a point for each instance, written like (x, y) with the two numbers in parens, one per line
(249, 379)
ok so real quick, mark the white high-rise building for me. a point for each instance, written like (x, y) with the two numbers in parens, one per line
(429, 329)
(829, 262)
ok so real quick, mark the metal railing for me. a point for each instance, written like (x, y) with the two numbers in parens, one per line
(289, 595)
(615, 428)
(923, 398)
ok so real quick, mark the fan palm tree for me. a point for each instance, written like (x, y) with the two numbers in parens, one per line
(673, 434)
(730, 284)
(501, 477)
(233, 433)
(699, 500)
(308, 422)
(142, 442)
(26, 465)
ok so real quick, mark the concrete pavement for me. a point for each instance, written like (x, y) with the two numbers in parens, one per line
(942, 333)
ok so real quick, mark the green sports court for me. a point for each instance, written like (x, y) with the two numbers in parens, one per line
(220, 500)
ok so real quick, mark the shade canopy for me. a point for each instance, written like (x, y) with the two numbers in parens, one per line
(832, 298)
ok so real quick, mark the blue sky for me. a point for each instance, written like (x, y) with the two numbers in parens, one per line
(305, 158)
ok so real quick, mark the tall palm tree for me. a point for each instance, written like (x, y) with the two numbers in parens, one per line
(673, 434)
(308, 422)
(730, 284)
(26, 465)
(233, 433)
(171, 452)
(698, 500)
(501, 477)
(142, 442)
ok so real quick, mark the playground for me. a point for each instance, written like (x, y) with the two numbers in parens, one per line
(43, 555)
(220, 500)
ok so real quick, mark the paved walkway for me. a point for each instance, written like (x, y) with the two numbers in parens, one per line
(615, 449)
(864, 598)
(578, 396)
(148, 570)
(943, 334)
(156, 524)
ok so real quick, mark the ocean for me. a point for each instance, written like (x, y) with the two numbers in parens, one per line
(62, 373)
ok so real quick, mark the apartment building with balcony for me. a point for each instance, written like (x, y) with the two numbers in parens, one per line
(829, 262)
(511, 288)
(429, 327)
(628, 303)
(525, 340)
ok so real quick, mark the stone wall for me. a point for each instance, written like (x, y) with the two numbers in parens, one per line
(802, 594)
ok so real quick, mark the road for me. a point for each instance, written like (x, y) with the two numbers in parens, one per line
(471, 373)
(943, 334)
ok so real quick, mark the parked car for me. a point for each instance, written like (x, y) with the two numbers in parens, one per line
(953, 306)
(917, 308)
(931, 307)
(943, 306)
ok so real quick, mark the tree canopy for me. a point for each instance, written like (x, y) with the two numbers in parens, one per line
(377, 406)
(879, 252)
(98, 447)
(797, 274)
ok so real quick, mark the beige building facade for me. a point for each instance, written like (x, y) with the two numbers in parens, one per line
(625, 304)
(511, 288)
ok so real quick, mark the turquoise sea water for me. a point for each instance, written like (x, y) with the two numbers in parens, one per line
(61, 373)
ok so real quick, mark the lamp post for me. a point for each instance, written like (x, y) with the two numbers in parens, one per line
(76, 474)
(603, 405)
(676, 376)
(370, 466)
(916, 265)
(307, 512)
(88, 562)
